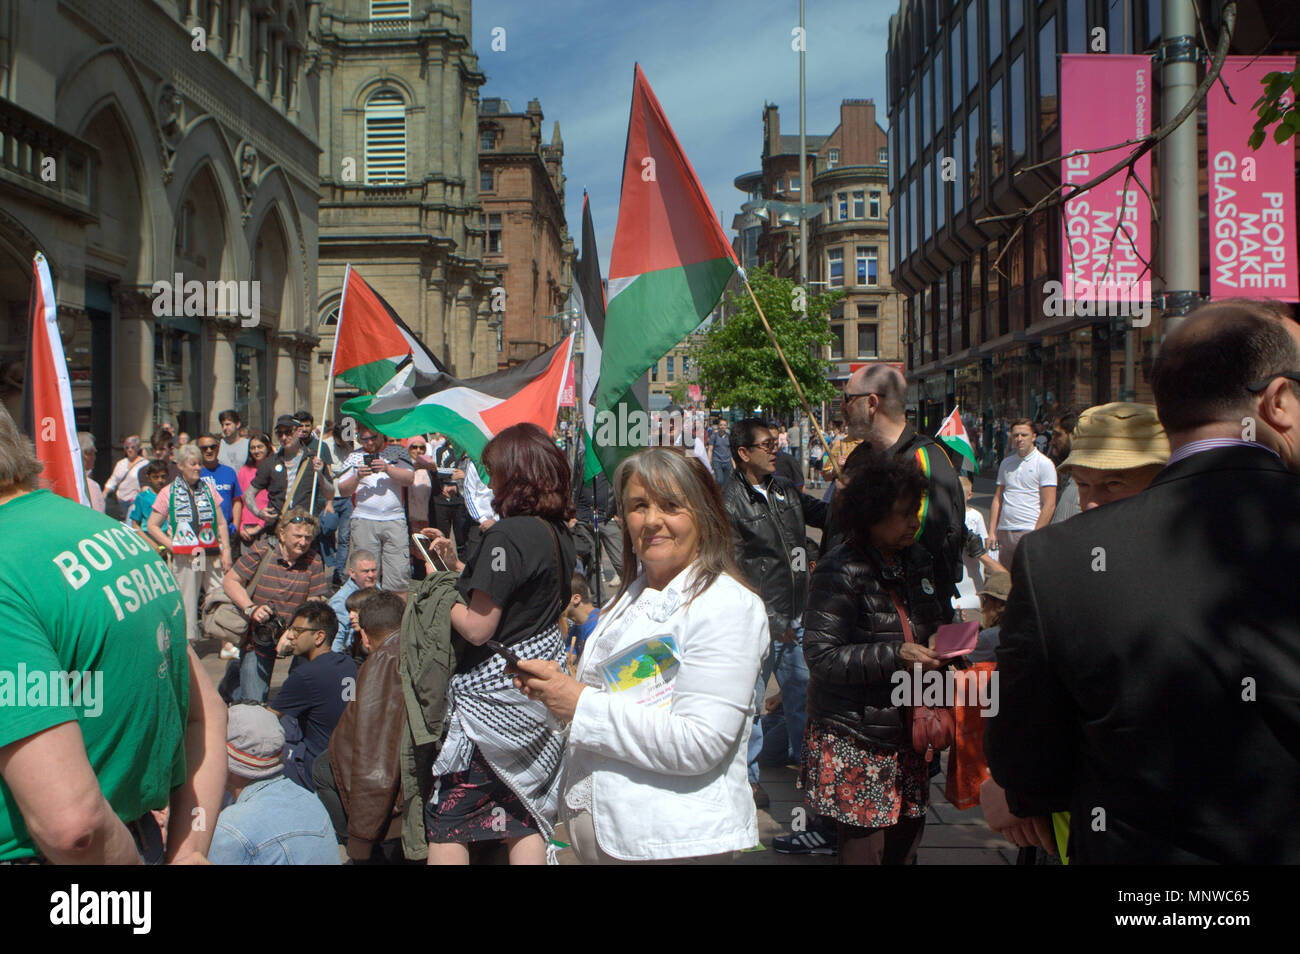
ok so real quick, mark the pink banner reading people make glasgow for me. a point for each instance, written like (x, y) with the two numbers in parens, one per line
(1105, 100)
(1252, 192)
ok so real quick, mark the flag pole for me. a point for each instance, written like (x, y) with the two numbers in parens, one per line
(329, 383)
(803, 400)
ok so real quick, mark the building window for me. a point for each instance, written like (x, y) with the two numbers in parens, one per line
(686, 365)
(835, 259)
(494, 233)
(1076, 27)
(1015, 18)
(654, 371)
(936, 208)
(973, 45)
(937, 115)
(973, 142)
(833, 159)
(794, 184)
(389, 15)
(954, 61)
(859, 205)
(485, 182)
(867, 264)
(868, 339)
(837, 340)
(487, 140)
(385, 138)
(1017, 109)
(927, 213)
(185, 229)
(959, 184)
(883, 157)
(913, 211)
(1047, 73)
(997, 131)
(842, 204)
(670, 368)
(873, 208)
(995, 31)
(927, 107)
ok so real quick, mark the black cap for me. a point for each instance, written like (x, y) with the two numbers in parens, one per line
(286, 420)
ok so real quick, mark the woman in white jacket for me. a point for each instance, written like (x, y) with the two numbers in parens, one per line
(661, 709)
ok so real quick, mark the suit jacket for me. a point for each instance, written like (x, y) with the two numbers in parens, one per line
(1149, 669)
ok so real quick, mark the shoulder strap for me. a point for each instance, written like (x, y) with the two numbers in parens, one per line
(902, 616)
(297, 479)
(566, 579)
(267, 557)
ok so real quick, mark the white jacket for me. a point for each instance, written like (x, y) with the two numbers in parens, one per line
(671, 780)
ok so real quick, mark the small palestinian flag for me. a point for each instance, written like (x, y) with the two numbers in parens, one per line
(589, 298)
(469, 412)
(372, 345)
(953, 434)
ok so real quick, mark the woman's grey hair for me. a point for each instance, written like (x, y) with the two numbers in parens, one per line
(676, 481)
(18, 462)
(188, 453)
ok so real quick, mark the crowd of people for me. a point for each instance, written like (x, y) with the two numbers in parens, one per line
(481, 657)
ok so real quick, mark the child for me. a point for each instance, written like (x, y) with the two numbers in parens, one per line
(353, 605)
(581, 614)
(155, 479)
(976, 561)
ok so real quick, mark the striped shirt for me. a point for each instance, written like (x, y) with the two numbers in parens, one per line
(284, 586)
(1213, 443)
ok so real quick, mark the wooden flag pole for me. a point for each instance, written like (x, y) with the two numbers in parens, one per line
(803, 400)
(329, 386)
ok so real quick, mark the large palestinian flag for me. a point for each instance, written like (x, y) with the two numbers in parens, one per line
(372, 344)
(48, 415)
(669, 265)
(469, 412)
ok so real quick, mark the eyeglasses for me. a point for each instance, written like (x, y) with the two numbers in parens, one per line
(850, 395)
(1261, 385)
(304, 629)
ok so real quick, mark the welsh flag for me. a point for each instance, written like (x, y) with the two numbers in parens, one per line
(371, 344)
(952, 432)
(48, 415)
(669, 265)
(469, 412)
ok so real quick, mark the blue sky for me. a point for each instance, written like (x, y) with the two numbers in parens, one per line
(713, 64)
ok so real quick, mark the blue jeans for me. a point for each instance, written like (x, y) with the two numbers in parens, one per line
(335, 535)
(254, 677)
(786, 660)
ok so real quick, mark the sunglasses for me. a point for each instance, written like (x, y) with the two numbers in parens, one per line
(1261, 385)
(207, 447)
(768, 445)
(311, 520)
(416, 447)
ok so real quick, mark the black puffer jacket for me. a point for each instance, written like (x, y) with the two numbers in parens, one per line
(770, 538)
(852, 635)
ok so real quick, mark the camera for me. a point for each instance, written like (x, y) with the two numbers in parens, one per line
(267, 634)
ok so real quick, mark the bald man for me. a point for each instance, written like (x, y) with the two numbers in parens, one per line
(875, 410)
(1149, 668)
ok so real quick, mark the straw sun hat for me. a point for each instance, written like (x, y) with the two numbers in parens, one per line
(1118, 436)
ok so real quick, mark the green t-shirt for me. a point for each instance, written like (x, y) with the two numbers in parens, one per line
(92, 628)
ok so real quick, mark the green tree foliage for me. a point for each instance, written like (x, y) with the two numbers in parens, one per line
(736, 362)
(1271, 108)
(678, 391)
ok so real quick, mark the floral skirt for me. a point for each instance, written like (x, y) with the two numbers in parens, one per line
(475, 805)
(858, 784)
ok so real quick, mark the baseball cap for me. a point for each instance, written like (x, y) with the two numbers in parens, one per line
(286, 420)
(998, 585)
(1118, 436)
(254, 742)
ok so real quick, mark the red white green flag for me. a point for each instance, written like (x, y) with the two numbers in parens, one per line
(372, 344)
(669, 265)
(952, 432)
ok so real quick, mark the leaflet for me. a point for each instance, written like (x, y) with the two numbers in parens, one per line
(645, 673)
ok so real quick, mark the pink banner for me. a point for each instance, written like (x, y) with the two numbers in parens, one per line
(1105, 100)
(1252, 193)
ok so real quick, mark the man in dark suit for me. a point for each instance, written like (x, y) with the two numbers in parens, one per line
(1150, 659)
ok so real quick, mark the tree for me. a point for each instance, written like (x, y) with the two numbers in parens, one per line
(677, 392)
(736, 362)
(1271, 108)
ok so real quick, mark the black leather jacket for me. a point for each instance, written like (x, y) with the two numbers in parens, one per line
(772, 544)
(852, 635)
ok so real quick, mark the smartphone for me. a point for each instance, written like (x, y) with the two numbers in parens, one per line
(426, 552)
(368, 459)
(509, 654)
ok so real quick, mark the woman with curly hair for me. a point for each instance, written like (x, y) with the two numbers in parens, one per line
(499, 766)
(859, 767)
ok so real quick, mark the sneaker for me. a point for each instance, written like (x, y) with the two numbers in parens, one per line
(805, 843)
(229, 651)
(761, 799)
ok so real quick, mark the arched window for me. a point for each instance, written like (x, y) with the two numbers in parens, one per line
(385, 138)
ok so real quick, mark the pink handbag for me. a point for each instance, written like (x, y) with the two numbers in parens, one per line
(933, 727)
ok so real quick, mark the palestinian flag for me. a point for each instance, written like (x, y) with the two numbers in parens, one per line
(372, 345)
(589, 299)
(469, 412)
(48, 415)
(952, 432)
(670, 263)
